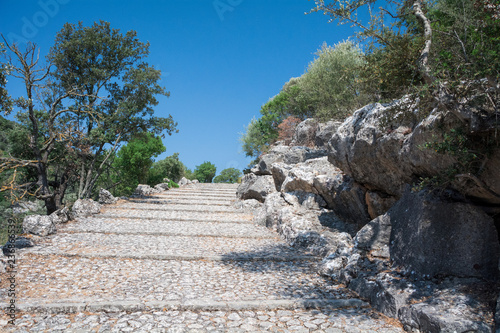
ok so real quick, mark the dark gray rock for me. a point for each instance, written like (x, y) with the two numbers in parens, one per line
(378, 203)
(106, 198)
(374, 237)
(345, 197)
(19, 243)
(255, 187)
(435, 237)
(85, 207)
(497, 315)
(325, 133)
(40, 225)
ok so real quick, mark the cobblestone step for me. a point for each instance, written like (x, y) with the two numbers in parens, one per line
(184, 260)
(170, 207)
(198, 215)
(142, 246)
(168, 228)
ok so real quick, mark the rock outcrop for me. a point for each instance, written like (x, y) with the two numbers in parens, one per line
(106, 198)
(86, 207)
(425, 259)
(44, 225)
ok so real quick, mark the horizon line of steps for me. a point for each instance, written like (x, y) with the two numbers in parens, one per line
(207, 267)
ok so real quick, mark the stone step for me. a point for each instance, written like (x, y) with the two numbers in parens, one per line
(163, 247)
(39, 306)
(60, 279)
(167, 227)
(193, 215)
(229, 317)
(169, 207)
(195, 218)
(183, 201)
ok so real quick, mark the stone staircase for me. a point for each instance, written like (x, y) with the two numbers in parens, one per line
(180, 261)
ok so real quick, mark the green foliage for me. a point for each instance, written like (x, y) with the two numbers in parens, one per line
(189, 174)
(134, 161)
(170, 168)
(5, 101)
(229, 175)
(101, 61)
(330, 88)
(205, 172)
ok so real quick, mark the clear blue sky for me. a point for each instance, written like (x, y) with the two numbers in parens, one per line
(221, 59)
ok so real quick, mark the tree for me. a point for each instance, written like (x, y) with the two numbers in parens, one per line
(229, 175)
(134, 161)
(5, 101)
(205, 172)
(100, 61)
(99, 93)
(170, 168)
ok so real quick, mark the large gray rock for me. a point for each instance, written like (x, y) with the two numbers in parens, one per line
(305, 133)
(435, 237)
(144, 191)
(40, 225)
(162, 187)
(374, 237)
(184, 181)
(106, 198)
(325, 132)
(25, 206)
(62, 215)
(255, 187)
(345, 197)
(85, 207)
(385, 157)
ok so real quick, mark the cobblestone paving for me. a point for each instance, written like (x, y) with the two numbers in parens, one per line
(180, 261)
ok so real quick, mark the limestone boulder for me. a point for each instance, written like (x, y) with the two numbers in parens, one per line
(374, 237)
(144, 191)
(325, 133)
(62, 215)
(434, 236)
(162, 187)
(40, 225)
(86, 207)
(106, 198)
(386, 156)
(255, 187)
(305, 133)
(184, 181)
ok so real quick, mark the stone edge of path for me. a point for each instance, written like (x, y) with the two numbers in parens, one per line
(189, 305)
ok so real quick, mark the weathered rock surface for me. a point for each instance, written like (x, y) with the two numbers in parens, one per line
(106, 198)
(145, 190)
(305, 133)
(24, 207)
(325, 133)
(383, 159)
(19, 243)
(162, 187)
(434, 237)
(184, 181)
(62, 215)
(41, 225)
(255, 187)
(86, 207)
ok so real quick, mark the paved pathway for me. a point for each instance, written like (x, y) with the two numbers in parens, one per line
(181, 261)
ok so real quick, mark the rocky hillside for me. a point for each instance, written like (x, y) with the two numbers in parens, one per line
(345, 191)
